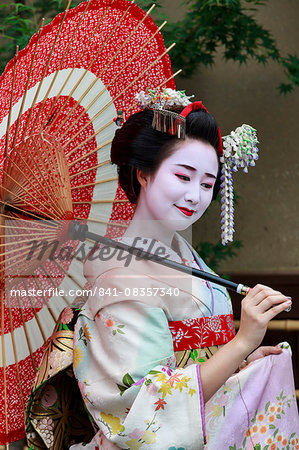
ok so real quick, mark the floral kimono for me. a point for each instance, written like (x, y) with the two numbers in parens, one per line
(138, 344)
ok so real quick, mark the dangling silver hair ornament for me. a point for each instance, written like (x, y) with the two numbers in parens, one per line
(163, 103)
(239, 152)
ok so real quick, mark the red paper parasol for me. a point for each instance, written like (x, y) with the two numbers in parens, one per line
(58, 99)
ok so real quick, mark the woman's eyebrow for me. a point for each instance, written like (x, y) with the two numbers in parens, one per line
(186, 166)
(193, 169)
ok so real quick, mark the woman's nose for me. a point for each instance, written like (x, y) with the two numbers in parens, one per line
(193, 195)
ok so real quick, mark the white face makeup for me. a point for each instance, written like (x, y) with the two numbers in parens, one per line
(182, 188)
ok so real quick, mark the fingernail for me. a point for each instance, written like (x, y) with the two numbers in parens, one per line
(290, 298)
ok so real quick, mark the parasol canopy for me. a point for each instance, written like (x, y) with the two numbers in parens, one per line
(58, 99)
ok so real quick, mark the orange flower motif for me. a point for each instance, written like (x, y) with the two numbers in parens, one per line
(273, 447)
(255, 428)
(109, 323)
(248, 432)
(269, 441)
(279, 437)
(261, 417)
(174, 378)
(272, 409)
(284, 442)
(278, 409)
(271, 418)
(87, 333)
(263, 429)
(293, 442)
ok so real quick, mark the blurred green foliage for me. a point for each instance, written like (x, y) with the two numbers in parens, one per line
(214, 254)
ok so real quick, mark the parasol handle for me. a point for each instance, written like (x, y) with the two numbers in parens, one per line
(77, 231)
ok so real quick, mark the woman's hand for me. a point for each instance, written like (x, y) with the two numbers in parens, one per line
(259, 306)
(263, 351)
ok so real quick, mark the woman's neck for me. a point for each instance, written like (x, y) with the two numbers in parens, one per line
(142, 226)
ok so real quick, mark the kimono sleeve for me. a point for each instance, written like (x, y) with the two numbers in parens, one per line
(126, 370)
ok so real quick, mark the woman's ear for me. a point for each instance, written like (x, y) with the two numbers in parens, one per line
(143, 178)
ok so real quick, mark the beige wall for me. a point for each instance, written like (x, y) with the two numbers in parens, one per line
(267, 214)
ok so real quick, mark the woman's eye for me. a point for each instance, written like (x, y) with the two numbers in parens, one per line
(207, 185)
(182, 177)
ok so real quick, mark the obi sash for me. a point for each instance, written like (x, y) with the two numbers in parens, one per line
(202, 332)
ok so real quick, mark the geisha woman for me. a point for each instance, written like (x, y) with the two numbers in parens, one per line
(155, 354)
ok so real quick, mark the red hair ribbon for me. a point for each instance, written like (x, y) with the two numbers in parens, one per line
(196, 106)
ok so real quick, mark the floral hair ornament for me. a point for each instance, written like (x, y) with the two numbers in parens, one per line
(164, 103)
(237, 150)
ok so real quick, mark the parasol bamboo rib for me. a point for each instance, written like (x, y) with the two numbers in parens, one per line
(25, 202)
(47, 181)
(27, 83)
(108, 161)
(89, 154)
(56, 208)
(109, 123)
(39, 184)
(92, 136)
(25, 212)
(105, 222)
(86, 71)
(22, 188)
(46, 68)
(11, 265)
(75, 65)
(109, 84)
(50, 181)
(59, 67)
(35, 315)
(42, 233)
(10, 102)
(15, 357)
(56, 180)
(105, 69)
(43, 76)
(115, 98)
(26, 334)
(100, 201)
(18, 227)
(71, 277)
(159, 86)
(21, 242)
(36, 280)
(61, 178)
(3, 358)
(49, 277)
(105, 180)
(23, 220)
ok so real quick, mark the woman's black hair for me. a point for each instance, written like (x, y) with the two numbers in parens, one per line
(138, 146)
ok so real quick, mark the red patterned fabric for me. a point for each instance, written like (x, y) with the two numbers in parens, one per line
(202, 332)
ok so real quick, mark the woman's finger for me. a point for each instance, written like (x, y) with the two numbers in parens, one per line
(271, 301)
(259, 293)
(272, 312)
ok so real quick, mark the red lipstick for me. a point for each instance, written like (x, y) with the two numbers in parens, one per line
(186, 211)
